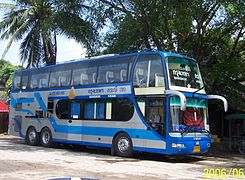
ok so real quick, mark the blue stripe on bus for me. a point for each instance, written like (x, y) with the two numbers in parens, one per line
(91, 96)
(40, 101)
(25, 100)
(196, 95)
(12, 102)
(135, 148)
(102, 131)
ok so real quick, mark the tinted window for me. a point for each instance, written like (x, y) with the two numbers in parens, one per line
(17, 81)
(89, 110)
(149, 71)
(39, 80)
(62, 109)
(94, 109)
(113, 73)
(60, 78)
(24, 81)
(75, 110)
(83, 76)
(122, 109)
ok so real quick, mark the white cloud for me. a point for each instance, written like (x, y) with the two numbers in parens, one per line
(69, 49)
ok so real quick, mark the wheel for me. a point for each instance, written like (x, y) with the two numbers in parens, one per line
(46, 138)
(32, 137)
(123, 145)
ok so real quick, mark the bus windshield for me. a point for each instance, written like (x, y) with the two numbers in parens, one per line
(192, 119)
(184, 72)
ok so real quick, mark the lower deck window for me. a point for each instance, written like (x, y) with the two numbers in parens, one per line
(116, 109)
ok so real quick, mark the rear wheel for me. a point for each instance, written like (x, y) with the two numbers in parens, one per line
(46, 138)
(123, 145)
(32, 137)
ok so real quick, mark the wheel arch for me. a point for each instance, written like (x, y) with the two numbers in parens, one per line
(114, 137)
(44, 127)
(29, 127)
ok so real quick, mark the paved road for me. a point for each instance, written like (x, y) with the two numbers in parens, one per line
(20, 161)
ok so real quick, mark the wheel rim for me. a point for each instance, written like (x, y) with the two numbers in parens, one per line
(45, 137)
(32, 136)
(123, 145)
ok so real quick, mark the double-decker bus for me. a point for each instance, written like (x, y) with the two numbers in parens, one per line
(146, 101)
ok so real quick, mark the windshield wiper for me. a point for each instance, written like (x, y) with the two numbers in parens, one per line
(186, 130)
(197, 91)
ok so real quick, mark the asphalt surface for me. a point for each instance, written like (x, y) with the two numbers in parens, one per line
(21, 161)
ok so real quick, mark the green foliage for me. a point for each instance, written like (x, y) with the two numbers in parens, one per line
(6, 76)
(37, 23)
(210, 31)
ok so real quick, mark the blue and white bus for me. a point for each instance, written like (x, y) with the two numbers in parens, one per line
(146, 101)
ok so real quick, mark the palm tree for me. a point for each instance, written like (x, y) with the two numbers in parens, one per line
(38, 22)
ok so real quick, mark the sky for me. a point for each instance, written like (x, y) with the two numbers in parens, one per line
(68, 49)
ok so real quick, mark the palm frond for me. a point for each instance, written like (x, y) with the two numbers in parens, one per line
(7, 6)
(20, 30)
(31, 49)
(11, 22)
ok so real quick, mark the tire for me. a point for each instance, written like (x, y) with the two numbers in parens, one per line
(123, 145)
(32, 137)
(46, 138)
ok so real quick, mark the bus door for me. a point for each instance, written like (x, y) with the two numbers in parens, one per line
(74, 123)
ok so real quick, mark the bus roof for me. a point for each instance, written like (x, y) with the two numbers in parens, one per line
(102, 57)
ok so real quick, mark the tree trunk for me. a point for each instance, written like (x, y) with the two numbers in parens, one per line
(50, 49)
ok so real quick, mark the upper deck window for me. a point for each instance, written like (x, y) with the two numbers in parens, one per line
(184, 73)
(39, 80)
(24, 81)
(113, 73)
(149, 71)
(60, 78)
(17, 81)
(83, 76)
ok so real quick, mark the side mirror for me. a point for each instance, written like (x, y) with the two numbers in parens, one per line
(220, 98)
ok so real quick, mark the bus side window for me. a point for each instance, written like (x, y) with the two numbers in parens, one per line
(62, 109)
(53, 80)
(17, 81)
(122, 109)
(89, 110)
(24, 81)
(123, 75)
(43, 83)
(149, 71)
(75, 110)
(34, 83)
(113, 73)
(110, 76)
(64, 78)
(84, 79)
(83, 76)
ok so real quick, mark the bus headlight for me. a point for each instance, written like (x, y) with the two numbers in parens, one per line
(174, 145)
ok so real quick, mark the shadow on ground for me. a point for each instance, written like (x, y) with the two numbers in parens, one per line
(76, 150)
